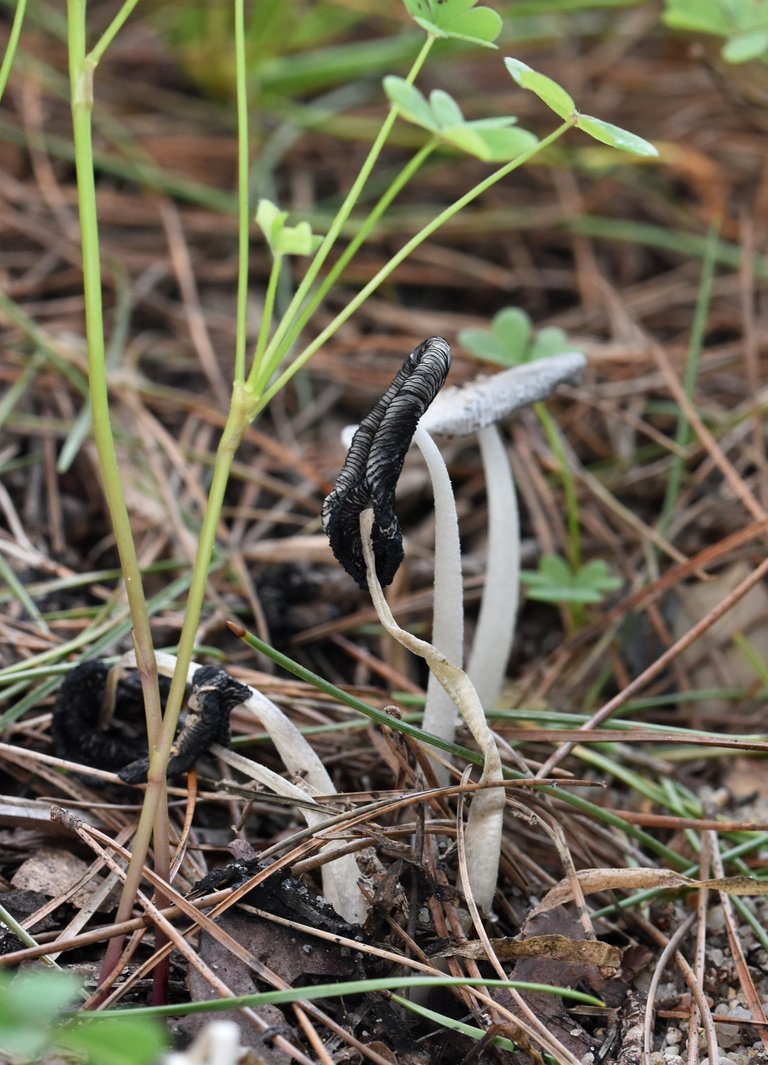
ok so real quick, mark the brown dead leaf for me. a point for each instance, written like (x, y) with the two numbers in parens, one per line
(52, 871)
(555, 948)
(642, 877)
(239, 979)
(541, 968)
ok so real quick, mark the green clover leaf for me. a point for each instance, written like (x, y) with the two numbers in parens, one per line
(456, 18)
(490, 139)
(556, 98)
(511, 341)
(547, 90)
(33, 1006)
(615, 136)
(284, 239)
(698, 16)
(744, 24)
(556, 582)
(751, 44)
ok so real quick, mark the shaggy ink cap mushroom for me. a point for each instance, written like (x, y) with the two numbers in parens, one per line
(79, 731)
(339, 874)
(374, 463)
(475, 408)
(214, 696)
(478, 408)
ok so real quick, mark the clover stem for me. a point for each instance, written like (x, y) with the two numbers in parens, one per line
(501, 593)
(486, 815)
(276, 347)
(363, 232)
(410, 245)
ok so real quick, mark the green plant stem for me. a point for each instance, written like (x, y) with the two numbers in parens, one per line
(237, 422)
(261, 400)
(243, 201)
(81, 70)
(257, 373)
(575, 613)
(350, 987)
(81, 75)
(552, 433)
(408, 171)
(13, 43)
(112, 30)
(160, 750)
(269, 306)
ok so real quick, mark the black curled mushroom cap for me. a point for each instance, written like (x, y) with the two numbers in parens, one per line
(78, 737)
(374, 463)
(77, 731)
(213, 698)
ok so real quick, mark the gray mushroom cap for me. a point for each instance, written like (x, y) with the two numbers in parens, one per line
(459, 411)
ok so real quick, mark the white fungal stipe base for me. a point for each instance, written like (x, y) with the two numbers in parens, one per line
(440, 714)
(495, 630)
(486, 815)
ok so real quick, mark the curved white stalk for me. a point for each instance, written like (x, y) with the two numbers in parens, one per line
(495, 630)
(341, 875)
(440, 714)
(218, 1043)
(486, 815)
(477, 408)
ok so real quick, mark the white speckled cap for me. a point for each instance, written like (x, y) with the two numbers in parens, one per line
(461, 411)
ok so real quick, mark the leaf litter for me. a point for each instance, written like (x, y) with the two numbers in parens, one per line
(608, 254)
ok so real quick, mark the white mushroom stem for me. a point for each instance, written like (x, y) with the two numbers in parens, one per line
(341, 875)
(484, 824)
(216, 1044)
(440, 715)
(495, 630)
(477, 408)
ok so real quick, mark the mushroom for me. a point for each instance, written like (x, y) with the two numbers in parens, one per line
(375, 459)
(340, 876)
(365, 536)
(478, 408)
(486, 812)
(374, 463)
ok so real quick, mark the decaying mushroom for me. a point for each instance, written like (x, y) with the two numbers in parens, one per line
(480, 407)
(340, 875)
(457, 412)
(375, 460)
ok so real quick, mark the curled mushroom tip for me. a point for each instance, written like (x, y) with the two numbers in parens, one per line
(375, 460)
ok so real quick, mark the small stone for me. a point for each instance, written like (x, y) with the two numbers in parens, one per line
(732, 1035)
